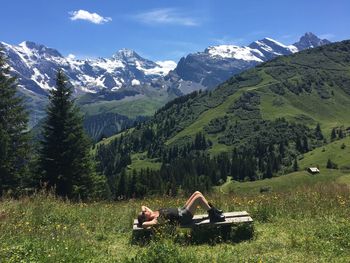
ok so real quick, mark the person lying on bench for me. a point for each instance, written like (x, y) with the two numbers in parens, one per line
(183, 215)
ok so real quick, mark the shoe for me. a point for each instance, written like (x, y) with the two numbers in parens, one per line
(219, 211)
(215, 216)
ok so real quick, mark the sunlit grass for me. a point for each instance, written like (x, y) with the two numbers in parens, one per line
(303, 223)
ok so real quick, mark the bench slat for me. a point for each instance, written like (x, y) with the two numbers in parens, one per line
(228, 221)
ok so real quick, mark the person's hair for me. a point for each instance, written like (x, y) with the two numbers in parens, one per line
(141, 218)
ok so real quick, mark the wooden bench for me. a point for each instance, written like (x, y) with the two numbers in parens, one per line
(231, 218)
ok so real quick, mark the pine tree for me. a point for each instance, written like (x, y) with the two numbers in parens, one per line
(14, 139)
(341, 134)
(331, 165)
(305, 145)
(65, 162)
(295, 165)
(122, 184)
(318, 132)
(333, 135)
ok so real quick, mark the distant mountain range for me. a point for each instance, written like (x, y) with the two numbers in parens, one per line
(216, 64)
(127, 76)
(36, 67)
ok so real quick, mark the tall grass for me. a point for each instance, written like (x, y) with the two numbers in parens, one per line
(305, 224)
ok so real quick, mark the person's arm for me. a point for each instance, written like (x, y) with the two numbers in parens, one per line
(145, 208)
(150, 223)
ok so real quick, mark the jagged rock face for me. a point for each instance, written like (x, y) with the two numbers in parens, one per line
(309, 40)
(210, 71)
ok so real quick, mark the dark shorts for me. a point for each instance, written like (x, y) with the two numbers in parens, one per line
(185, 216)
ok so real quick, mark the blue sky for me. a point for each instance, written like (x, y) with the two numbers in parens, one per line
(162, 30)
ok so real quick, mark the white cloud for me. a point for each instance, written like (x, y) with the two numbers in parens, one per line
(91, 17)
(165, 16)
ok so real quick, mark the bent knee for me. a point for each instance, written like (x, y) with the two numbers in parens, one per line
(198, 193)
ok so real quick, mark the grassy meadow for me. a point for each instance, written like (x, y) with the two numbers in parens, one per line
(302, 218)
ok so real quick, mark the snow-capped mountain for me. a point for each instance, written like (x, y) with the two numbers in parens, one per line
(216, 64)
(36, 67)
(127, 74)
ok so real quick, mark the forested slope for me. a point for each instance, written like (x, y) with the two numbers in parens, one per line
(253, 126)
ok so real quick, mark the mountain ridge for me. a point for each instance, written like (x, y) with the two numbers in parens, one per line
(130, 75)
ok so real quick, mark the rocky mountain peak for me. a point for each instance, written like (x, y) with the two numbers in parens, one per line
(126, 54)
(39, 49)
(310, 40)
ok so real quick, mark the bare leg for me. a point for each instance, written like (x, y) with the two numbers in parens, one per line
(198, 200)
(192, 196)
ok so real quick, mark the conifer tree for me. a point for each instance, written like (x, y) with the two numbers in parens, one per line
(14, 140)
(65, 162)
(295, 165)
(318, 132)
(333, 134)
(341, 134)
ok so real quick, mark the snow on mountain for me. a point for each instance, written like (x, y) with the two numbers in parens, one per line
(162, 68)
(235, 52)
(36, 65)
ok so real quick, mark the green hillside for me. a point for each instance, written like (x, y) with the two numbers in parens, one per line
(264, 119)
(320, 100)
(337, 151)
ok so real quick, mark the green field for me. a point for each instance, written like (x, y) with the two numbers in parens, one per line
(303, 219)
(140, 161)
(131, 108)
